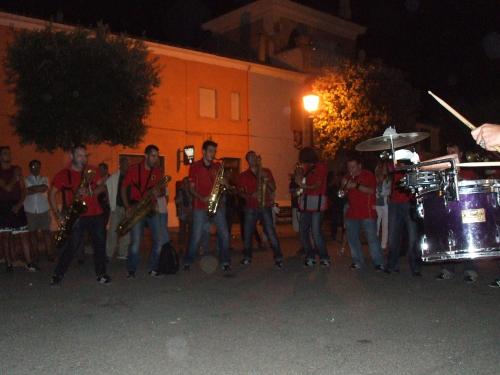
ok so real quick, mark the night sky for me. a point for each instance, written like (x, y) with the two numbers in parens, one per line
(450, 47)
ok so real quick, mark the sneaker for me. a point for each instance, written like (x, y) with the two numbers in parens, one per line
(226, 268)
(469, 279)
(32, 267)
(278, 264)
(131, 275)
(9, 268)
(355, 266)
(186, 267)
(444, 275)
(324, 263)
(417, 274)
(495, 284)
(245, 261)
(104, 279)
(55, 280)
(309, 262)
(379, 268)
(154, 273)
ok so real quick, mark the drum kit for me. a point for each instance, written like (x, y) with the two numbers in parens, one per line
(461, 219)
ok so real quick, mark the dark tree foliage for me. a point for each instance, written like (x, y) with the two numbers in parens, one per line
(78, 86)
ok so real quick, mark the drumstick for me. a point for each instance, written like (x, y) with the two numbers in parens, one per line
(456, 114)
(480, 164)
(452, 111)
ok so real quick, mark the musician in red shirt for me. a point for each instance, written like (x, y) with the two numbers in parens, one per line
(360, 186)
(448, 270)
(13, 221)
(313, 202)
(140, 180)
(400, 206)
(255, 210)
(202, 176)
(67, 182)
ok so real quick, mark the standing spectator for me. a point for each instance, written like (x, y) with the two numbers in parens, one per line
(382, 194)
(312, 204)
(36, 206)
(294, 201)
(117, 247)
(103, 198)
(162, 201)
(360, 187)
(184, 209)
(13, 222)
(336, 203)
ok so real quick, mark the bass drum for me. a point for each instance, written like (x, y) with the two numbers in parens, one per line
(465, 229)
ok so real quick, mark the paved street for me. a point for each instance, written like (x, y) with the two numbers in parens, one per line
(257, 320)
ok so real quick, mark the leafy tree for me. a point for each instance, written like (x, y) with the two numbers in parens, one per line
(359, 100)
(79, 87)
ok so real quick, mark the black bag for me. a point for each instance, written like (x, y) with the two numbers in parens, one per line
(169, 260)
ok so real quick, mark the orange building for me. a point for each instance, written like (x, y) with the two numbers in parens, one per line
(201, 96)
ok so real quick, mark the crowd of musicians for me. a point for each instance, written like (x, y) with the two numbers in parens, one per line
(362, 201)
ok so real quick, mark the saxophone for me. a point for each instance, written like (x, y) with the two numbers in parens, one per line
(299, 173)
(142, 209)
(76, 209)
(217, 189)
(261, 184)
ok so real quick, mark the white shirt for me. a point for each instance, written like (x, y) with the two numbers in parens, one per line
(36, 203)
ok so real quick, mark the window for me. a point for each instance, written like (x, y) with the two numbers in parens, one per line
(235, 106)
(208, 103)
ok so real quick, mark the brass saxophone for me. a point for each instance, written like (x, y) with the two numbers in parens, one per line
(142, 209)
(217, 189)
(75, 210)
(261, 184)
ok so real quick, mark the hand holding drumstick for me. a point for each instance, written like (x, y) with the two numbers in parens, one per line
(487, 136)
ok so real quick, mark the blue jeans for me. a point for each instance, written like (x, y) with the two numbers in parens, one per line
(164, 235)
(353, 228)
(200, 221)
(310, 222)
(252, 215)
(136, 233)
(95, 226)
(399, 216)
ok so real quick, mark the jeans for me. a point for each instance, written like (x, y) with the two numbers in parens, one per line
(383, 221)
(113, 243)
(136, 233)
(353, 228)
(164, 235)
(310, 222)
(399, 215)
(94, 225)
(200, 221)
(252, 215)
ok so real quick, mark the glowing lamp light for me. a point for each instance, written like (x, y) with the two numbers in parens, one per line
(188, 154)
(311, 103)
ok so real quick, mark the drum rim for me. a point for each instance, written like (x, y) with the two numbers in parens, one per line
(443, 256)
(478, 186)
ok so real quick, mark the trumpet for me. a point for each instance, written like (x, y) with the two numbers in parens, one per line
(341, 193)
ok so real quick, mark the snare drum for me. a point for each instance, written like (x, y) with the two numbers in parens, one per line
(465, 229)
(421, 182)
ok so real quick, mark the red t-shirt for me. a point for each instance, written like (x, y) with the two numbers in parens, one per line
(67, 181)
(247, 182)
(6, 175)
(203, 178)
(140, 180)
(319, 173)
(399, 195)
(362, 205)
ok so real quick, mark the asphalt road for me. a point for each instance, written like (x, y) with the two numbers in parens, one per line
(256, 320)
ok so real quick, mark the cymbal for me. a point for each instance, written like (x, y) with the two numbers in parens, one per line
(384, 142)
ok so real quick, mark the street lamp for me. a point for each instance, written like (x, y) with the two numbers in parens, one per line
(311, 105)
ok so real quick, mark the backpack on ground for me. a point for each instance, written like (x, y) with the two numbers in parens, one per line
(169, 260)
